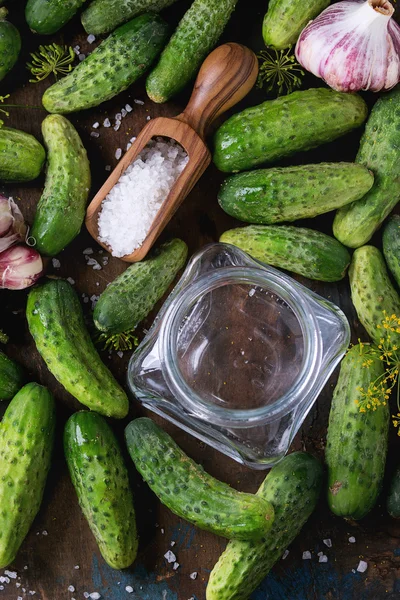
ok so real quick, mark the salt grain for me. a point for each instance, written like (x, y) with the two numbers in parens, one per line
(96, 125)
(107, 123)
(173, 544)
(138, 102)
(176, 566)
(148, 118)
(362, 566)
(108, 167)
(128, 108)
(117, 125)
(120, 353)
(77, 49)
(118, 154)
(129, 589)
(94, 596)
(123, 112)
(11, 574)
(71, 588)
(328, 543)
(56, 263)
(323, 559)
(307, 555)
(193, 575)
(81, 57)
(352, 540)
(285, 554)
(72, 282)
(129, 145)
(170, 557)
(85, 595)
(76, 567)
(94, 134)
(91, 38)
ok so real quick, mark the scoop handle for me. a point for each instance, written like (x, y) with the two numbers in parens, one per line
(226, 76)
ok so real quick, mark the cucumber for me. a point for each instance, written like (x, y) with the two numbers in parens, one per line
(304, 251)
(372, 292)
(10, 44)
(286, 194)
(12, 377)
(196, 35)
(393, 499)
(61, 209)
(21, 155)
(391, 246)
(48, 16)
(115, 64)
(293, 487)
(103, 16)
(357, 442)
(286, 19)
(101, 481)
(26, 443)
(189, 491)
(379, 151)
(132, 295)
(56, 324)
(278, 128)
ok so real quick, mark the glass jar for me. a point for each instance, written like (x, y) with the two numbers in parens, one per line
(238, 355)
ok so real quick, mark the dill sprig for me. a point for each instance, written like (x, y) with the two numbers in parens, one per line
(279, 71)
(120, 342)
(5, 112)
(3, 337)
(51, 59)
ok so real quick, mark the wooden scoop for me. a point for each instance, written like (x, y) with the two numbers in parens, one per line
(226, 76)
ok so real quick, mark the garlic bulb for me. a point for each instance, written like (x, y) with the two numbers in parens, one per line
(12, 224)
(20, 267)
(353, 45)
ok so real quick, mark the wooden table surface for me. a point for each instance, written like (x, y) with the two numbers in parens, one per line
(60, 550)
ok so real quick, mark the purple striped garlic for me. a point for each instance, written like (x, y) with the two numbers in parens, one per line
(20, 267)
(12, 224)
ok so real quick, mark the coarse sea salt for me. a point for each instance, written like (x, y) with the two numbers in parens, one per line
(132, 204)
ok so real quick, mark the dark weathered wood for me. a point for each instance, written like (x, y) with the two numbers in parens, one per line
(51, 559)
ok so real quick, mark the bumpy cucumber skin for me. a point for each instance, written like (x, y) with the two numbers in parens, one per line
(132, 295)
(304, 251)
(103, 16)
(379, 151)
(372, 292)
(196, 35)
(61, 209)
(189, 491)
(282, 127)
(356, 443)
(119, 61)
(286, 19)
(21, 155)
(391, 246)
(10, 44)
(48, 16)
(26, 443)
(56, 324)
(101, 481)
(393, 499)
(276, 195)
(12, 377)
(293, 487)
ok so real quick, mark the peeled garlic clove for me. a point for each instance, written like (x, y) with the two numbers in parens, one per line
(353, 46)
(20, 267)
(12, 224)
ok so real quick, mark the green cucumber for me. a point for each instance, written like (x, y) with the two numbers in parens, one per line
(115, 64)
(132, 295)
(103, 16)
(196, 35)
(48, 16)
(393, 499)
(101, 481)
(26, 443)
(189, 491)
(278, 128)
(12, 377)
(56, 323)
(286, 19)
(10, 44)
(286, 194)
(357, 442)
(391, 246)
(293, 487)
(61, 209)
(379, 151)
(304, 251)
(21, 155)
(372, 292)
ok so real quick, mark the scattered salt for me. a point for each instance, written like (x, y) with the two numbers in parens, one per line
(72, 282)
(123, 112)
(162, 531)
(96, 125)
(76, 567)
(94, 596)
(88, 251)
(148, 118)
(20, 598)
(118, 116)
(176, 566)
(118, 154)
(94, 134)
(94, 299)
(11, 574)
(31, 592)
(173, 544)
(56, 263)
(133, 139)
(128, 146)
(328, 543)
(2, 588)
(362, 566)
(120, 353)
(252, 292)
(129, 589)
(320, 554)
(26, 567)
(352, 540)
(117, 126)
(81, 57)
(91, 38)
(323, 559)
(307, 555)
(107, 123)
(17, 585)
(170, 557)
(108, 167)
(285, 554)
(128, 108)
(85, 594)
(77, 50)
(138, 102)
(71, 588)
(193, 575)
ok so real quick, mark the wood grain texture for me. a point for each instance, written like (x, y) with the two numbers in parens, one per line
(51, 558)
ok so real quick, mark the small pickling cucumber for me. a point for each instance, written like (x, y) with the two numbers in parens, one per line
(372, 292)
(101, 481)
(56, 323)
(103, 16)
(195, 37)
(357, 441)
(48, 16)
(21, 155)
(61, 209)
(304, 251)
(379, 151)
(115, 64)
(12, 377)
(26, 444)
(282, 127)
(286, 194)
(293, 488)
(189, 492)
(391, 246)
(286, 19)
(10, 44)
(393, 499)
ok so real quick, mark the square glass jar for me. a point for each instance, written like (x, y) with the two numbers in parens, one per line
(238, 355)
